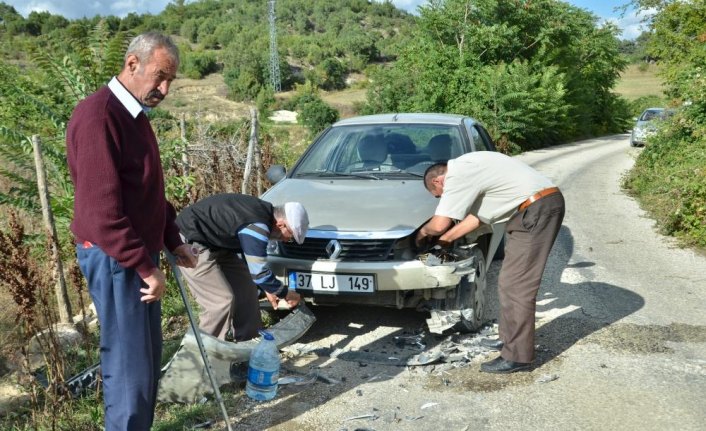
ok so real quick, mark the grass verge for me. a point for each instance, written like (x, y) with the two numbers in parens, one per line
(669, 181)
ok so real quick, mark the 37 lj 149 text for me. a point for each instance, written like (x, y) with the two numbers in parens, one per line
(324, 282)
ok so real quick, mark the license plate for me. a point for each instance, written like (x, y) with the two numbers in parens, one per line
(322, 282)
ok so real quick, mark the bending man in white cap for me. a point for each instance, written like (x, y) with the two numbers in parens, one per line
(230, 232)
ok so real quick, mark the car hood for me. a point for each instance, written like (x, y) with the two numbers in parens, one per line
(358, 205)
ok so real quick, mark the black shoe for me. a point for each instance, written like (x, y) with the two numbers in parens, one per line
(238, 372)
(492, 344)
(503, 366)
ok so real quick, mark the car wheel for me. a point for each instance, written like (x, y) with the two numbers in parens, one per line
(470, 297)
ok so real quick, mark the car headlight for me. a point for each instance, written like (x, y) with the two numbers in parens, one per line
(273, 248)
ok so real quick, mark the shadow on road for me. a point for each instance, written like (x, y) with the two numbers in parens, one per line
(577, 309)
(573, 311)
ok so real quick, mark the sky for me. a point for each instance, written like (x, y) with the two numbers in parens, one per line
(630, 24)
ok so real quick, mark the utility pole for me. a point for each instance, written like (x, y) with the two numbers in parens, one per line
(274, 56)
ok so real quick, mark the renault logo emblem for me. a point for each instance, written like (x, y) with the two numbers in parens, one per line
(333, 249)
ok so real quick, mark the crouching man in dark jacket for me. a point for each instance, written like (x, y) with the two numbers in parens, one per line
(230, 232)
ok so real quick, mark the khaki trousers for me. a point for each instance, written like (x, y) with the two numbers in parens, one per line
(530, 235)
(226, 294)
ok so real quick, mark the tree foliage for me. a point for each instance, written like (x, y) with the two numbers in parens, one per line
(40, 103)
(537, 72)
(350, 32)
(669, 174)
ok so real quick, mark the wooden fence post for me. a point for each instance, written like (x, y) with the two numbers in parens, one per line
(251, 150)
(258, 168)
(184, 156)
(62, 296)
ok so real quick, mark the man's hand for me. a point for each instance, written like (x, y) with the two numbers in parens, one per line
(274, 300)
(293, 299)
(185, 257)
(419, 239)
(156, 285)
(435, 227)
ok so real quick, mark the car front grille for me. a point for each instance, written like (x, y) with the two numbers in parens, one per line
(351, 249)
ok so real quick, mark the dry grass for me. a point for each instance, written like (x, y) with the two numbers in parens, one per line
(205, 98)
(345, 101)
(635, 82)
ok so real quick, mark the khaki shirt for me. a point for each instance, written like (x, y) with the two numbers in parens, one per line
(488, 185)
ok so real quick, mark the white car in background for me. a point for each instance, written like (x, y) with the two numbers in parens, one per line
(647, 123)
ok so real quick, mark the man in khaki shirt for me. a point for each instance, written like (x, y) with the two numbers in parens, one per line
(488, 187)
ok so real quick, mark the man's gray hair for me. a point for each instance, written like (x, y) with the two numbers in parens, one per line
(432, 172)
(144, 45)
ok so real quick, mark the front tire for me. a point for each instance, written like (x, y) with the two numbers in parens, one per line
(470, 297)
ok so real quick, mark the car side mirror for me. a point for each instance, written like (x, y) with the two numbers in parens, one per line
(634, 118)
(275, 173)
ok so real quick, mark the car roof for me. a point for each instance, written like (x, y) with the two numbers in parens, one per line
(416, 118)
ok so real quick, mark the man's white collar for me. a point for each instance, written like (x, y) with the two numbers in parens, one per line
(124, 96)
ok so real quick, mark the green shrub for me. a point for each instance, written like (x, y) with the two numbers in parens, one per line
(265, 100)
(196, 65)
(641, 103)
(669, 178)
(333, 74)
(316, 115)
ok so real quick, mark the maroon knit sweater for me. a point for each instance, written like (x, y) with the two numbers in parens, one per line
(119, 202)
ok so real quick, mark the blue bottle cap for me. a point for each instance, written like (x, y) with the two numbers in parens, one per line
(267, 335)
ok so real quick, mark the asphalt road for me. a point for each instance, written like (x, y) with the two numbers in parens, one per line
(621, 334)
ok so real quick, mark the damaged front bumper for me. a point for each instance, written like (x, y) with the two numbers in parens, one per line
(400, 284)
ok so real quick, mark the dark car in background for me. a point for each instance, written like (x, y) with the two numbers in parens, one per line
(361, 183)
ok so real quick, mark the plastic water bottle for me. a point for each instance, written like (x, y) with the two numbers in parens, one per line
(263, 369)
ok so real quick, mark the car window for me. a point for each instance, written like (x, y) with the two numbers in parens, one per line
(481, 140)
(650, 114)
(380, 148)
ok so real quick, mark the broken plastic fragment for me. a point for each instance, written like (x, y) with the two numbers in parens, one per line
(425, 358)
(546, 378)
(441, 320)
(372, 416)
(298, 380)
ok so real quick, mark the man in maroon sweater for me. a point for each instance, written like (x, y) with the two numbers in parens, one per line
(122, 221)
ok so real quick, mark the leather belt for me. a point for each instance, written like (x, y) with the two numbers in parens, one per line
(537, 196)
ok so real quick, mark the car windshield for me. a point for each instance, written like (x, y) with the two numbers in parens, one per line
(656, 114)
(380, 150)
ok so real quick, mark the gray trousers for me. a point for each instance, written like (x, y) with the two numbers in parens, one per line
(226, 294)
(530, 235)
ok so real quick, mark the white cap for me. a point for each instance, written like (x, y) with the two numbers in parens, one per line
(297, 220)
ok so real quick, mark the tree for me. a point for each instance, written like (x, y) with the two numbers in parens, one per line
(332, 74)
(507, 64)
(41, 104)
(316, 115)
